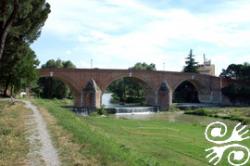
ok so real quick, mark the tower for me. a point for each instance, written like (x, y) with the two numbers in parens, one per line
(206, 68)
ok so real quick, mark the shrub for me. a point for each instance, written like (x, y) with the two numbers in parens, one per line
(237, 93)
(101, 111)
(200, 112)
(173, 108)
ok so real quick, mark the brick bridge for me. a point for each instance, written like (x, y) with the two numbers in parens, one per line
(88, 85)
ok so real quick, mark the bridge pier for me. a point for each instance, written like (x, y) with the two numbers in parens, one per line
(164, 96)
(91, 99)
(150, 97)
(212, 96)
(77, 100)
(165, 100)
(90, 96)
(159, 98)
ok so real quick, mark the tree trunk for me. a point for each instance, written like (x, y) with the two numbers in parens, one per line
(11, 90)
(7, 25)
(6, 87)
(51, 93)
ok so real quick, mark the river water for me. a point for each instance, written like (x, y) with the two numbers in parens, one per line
(126, 109)
(148, 113)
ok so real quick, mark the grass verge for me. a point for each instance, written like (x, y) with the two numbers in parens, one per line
(68, 149)
(14, 146)
(93, 144)
(241, 114)
(156, 141)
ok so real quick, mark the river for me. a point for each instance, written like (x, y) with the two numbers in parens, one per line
(126, 109)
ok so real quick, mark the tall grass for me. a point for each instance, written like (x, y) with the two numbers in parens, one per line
(107, 150)
(14, 145)
(236, 114)
(156, 141)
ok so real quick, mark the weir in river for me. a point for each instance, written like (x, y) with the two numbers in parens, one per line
(126, 108)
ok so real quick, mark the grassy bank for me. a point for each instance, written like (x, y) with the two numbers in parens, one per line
(69, 150)
(93, 143)
(14, 146)
(157, 141)
(241, 114)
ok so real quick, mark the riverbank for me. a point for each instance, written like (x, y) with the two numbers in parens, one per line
(167, 138)
(241, 114)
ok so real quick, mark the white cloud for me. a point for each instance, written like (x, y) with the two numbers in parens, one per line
(68, 52)
(128, 31)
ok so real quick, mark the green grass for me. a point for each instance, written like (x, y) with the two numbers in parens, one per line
(155, 141)
(106, 150)
(241, 114)
(14, 146)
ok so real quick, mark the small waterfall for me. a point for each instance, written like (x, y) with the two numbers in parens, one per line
(126, 108)
(137, 109)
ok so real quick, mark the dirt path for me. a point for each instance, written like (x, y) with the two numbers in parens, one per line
(40, 141)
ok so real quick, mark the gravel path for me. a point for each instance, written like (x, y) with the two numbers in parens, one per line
(40, 140)
(42, 151)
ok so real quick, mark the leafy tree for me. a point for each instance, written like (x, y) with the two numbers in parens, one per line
(68, 64)
(51, 87)
(8, 10)
(20, 25)
(191, 64)
(129, 90)
(22, 20)
(144, 66)
(237, 72)
(17, 73)
(238, 91)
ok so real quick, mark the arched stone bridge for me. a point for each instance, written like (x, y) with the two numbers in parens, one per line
(88, 85)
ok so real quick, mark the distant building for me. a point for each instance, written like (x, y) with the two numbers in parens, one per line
(206, 68)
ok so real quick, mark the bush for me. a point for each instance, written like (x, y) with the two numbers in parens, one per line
(173, 108)
(200, 112)
(101, 111)
(237, 93)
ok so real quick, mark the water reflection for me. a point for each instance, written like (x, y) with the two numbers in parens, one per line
(175, 117)
(150, 113)
(106, 99)
(126, 109)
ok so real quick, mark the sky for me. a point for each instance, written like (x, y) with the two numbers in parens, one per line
(120, 33)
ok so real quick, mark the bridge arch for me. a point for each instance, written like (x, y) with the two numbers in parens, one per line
(67, 81)
(119, 77)
(187, 90)
(147, 87)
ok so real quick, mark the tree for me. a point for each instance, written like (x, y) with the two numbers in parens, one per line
(68, 65)
(191, 64)
(51, 87)
(18, 73)
(21, 20)
(144, 66)
(238, 91)
(237, 72)
(20, 25)
(7, 18)
(129, 90)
